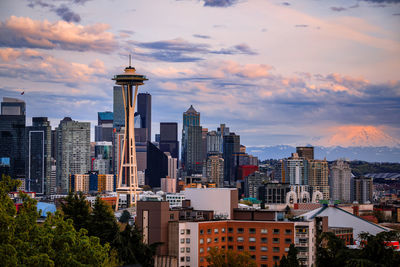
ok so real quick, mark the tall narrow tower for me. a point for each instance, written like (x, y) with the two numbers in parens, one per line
(129, 81)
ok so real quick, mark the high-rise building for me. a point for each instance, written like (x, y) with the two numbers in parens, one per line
(362, 189)
(318, 177)
(252, 183)
(169, 138)
(38, 157)
(231, 147)
(215, 170)
(214, 142)
(12, 138)
(204, 132)
(192, 161)
(73, 152)
(103, 157)
(306, 152)
(273, 193)
(118, 108)
(340, 180)
(295, 170)
(104, 127)
(144, 109)
(157, 166)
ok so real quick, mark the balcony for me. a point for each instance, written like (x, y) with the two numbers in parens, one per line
(301, 235)
(302, 244)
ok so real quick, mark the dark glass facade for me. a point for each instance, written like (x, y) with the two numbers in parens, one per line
(144, 109)
(157, 166)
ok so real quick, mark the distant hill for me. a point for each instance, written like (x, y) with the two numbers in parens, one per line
(370, 154)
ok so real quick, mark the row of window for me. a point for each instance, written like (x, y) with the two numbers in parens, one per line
(183, 231)
(262, 257)
(275, 240)
(250, 248)
(183, 240)
(241, 230)
(187, 250)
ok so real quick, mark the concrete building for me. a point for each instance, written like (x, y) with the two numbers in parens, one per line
(38, 157)
(306, 152)
(104, 127)
(175, 199)
(214, 141)
(215, 170)
(340, 181)
(252, 182)
(318, 177)
(73, 152)
(295, 170)
(211, 199)
(168, 185)
(273, 193)
(362, 189)
(231, 146)
(92, 182)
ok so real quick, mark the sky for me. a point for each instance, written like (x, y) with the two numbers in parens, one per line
(275, 72)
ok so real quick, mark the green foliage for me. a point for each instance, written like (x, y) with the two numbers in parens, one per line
(291, 259)
(24, 242)
(359, 168)
(101, 222)
(125, 217)
(331, 251)
(229, 258)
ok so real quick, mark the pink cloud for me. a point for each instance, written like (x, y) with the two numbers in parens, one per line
(25, 32)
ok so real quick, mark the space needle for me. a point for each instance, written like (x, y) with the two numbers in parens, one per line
(129, 81)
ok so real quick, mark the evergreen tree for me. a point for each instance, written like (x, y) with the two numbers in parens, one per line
(125, 217)
(77, 208)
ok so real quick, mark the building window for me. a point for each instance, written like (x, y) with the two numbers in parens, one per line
(208, 249)
(252, 230)
(187, 250)
(276, 231)
(252, 239)
(222, 247)
(240, 248)
(188, 231)
(288, 231)
(275, 240)
(264, 240)
(264, 231)
(208, 240)
(171, 216)
(253, 257)
(182, 250)
(182, 240)
(275, 258)
(182, 259)
(201, 231)
(216, 240)
(208, 231)
(187, 240)
(240, 230)
(201, 241)
(223, 230)
(187, 258)
(230, 247)
(230, 230)
(216, 230)
(201, 259)
(275, 249)
(252, 248)
(288, 240)
(182, 231)
(240, 239)
(230, 239)
(201, 250)
(286, 249)
(264, 249)
(223, 239)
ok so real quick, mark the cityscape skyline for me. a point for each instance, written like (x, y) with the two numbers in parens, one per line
(301, 72)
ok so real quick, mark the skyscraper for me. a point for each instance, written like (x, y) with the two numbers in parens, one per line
(340, 181)
(118, 108)
(306, 152)
(295, 170)
(157, 166)
(192, 161)
(104, 127)
(231, 147)
(144, 109)
(73, 152)
(215, 170)
(362, 189)
(38, 157)
(12, 138)
(318, 177)
(169, 138)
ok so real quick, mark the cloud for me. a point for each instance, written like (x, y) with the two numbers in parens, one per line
(301, 25)
(67, 14)
(338, 9)
(396, 14)
(237, 49)
(19, 32)
(219, 3)
(201, 36)
(35, 66)
(383, 1)
(286, 4)
(180, 50)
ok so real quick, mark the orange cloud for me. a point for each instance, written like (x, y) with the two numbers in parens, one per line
(25, 32)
